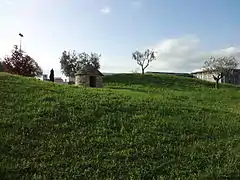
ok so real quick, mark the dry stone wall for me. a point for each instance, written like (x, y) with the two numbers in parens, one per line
(99, 82)
(82, 80)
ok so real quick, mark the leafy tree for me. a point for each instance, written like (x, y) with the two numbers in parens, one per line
(22, 64)
(68, 63)
(51, 77)
(89, 61)
(71, 62)
(220, 67)
(144, 59)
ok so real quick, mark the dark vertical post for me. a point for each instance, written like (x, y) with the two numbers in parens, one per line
(20, 42)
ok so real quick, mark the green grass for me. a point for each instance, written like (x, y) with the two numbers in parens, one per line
(156, 126)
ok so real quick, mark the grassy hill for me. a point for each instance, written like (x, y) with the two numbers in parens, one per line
(156, 126)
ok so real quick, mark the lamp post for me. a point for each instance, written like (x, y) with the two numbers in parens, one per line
(20, 41)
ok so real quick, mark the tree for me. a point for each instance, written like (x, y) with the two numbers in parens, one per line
(144, 59)
(71, 62)
(89, 61)
(51, 77)
(68, 63)
(220, 67)
(1, 66)
(21, 64)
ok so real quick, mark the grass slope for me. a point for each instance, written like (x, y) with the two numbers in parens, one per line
(156, 126)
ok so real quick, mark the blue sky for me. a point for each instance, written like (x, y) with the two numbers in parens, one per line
(184, 32)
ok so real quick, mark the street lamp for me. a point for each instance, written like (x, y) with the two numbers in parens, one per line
(20, 41)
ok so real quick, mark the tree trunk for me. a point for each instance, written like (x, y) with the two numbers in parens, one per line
(142, 71)
(217, 83)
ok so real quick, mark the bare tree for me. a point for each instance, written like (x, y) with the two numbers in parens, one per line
(144, 59)
(220, 67)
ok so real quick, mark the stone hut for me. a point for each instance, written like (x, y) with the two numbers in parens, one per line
(89, 77)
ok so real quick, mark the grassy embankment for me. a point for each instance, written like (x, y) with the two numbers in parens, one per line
(136, 127)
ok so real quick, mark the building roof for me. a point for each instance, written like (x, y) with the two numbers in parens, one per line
(58, 79)
(198, 70)
(89, 71)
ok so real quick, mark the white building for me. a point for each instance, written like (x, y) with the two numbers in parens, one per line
(233, 78)
(203, 75)
(45, 76)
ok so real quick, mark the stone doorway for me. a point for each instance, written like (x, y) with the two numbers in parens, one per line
(92, 81)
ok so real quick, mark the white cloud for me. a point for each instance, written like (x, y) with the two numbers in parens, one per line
(184, 54)
(106, 10)
(137, 4)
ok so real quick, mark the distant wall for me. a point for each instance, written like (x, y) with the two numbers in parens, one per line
(171, 73)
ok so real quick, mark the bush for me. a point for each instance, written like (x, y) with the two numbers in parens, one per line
(71, 82)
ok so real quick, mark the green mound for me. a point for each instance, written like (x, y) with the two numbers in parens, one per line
(156, 126)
